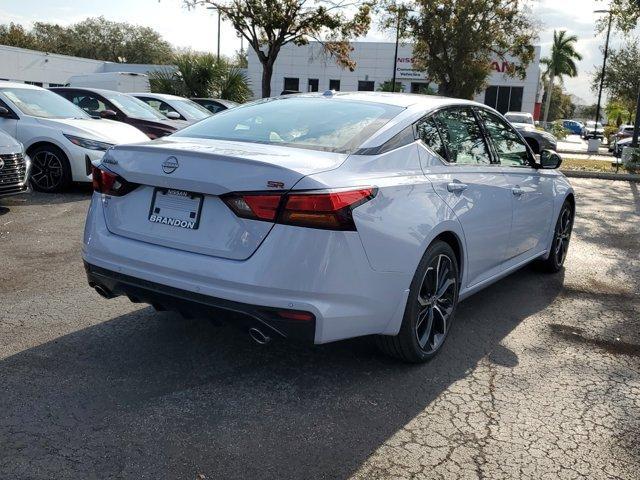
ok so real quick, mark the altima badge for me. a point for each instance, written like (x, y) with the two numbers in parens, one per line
(170, 165)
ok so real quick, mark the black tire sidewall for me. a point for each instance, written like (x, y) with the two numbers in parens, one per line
(553, 264)
(407, 330)
(66, 168)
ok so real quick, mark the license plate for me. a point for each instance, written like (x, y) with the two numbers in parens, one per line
(176, 208)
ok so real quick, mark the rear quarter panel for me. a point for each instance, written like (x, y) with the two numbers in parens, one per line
(397, 226)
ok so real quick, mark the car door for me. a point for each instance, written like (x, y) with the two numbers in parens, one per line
(531, 188)
(459, 165)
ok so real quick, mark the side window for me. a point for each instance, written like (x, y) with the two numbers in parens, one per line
(89, 103)
(428, 133)
(462, 136)
(162, 107)
(511, 150)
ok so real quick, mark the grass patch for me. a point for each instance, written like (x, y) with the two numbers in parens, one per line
(589, 165)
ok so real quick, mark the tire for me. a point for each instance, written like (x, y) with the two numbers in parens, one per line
(50, 169)
(428, 314)
(534, 145)
(560, 242)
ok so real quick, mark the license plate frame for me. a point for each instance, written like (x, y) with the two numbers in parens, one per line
(176, 222)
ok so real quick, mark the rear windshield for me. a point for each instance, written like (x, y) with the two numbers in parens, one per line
(316, 123)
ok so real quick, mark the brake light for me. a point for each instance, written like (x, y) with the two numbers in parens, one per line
(109, 183)
(330, 210)
(327, 210)
(254, 206)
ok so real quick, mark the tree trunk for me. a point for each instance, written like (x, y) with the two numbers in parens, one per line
(548, 102)
(267, 72)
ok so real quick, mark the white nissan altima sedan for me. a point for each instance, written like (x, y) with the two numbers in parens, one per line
(60, 138)
(321, 217)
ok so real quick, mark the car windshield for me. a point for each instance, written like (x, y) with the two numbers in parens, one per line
(42, 103)
(333, 125)
(132, 107)
(192, 109)
(519, 118)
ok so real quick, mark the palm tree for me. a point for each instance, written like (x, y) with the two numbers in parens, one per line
(560, 63)
(202, 75)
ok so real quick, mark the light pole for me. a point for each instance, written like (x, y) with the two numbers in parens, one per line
(395, 56)
(636, 127)
(604, 65)
(216, 8)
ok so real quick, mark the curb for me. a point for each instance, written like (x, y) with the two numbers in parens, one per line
(584, 152)
(626, 177)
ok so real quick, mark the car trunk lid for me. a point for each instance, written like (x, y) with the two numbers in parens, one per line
(159, 211)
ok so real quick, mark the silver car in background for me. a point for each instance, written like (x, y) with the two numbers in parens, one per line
(14, 166)
(538, 140)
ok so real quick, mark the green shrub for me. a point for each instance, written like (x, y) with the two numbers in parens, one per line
(557, 130)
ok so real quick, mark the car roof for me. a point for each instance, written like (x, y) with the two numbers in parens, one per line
(25, 86)
(99, 91)
(405, 100)
(160, 96)
(518, 113)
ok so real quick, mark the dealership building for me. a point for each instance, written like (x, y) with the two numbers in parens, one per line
(52, 70)
(308, 68)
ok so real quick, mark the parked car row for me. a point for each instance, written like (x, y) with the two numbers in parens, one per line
(334, 183)
(63, 130)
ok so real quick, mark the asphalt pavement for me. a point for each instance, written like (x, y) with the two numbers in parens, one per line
(540, 377)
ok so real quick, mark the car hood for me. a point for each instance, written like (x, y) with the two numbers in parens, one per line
(102, 130)
(8, 142)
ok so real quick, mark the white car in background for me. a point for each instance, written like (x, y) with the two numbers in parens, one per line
(328, 216)
(60, 138)
(14, 166)
(174, 107)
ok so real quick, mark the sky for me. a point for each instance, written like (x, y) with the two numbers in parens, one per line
(196, 29)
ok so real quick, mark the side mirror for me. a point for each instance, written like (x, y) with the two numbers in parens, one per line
(108, 114)
(173, 115)
(549, 159)
(4, 112)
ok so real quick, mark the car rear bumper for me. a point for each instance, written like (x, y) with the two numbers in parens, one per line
(326, 273)
(190, 304)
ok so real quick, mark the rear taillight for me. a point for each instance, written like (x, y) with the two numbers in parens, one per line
(315, 209)
(109, 183)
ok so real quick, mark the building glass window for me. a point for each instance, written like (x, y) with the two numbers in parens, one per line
(292, 84)
(366, 85)
(312, 85)
(334, 85)
(504, 98)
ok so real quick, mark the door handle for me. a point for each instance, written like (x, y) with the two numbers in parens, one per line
(517, 191)
(455, 187)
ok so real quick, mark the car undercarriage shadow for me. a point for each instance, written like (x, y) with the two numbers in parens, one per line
(150, 395)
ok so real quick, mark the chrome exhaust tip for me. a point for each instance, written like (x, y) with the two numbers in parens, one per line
(103, 291)
(259, 336)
